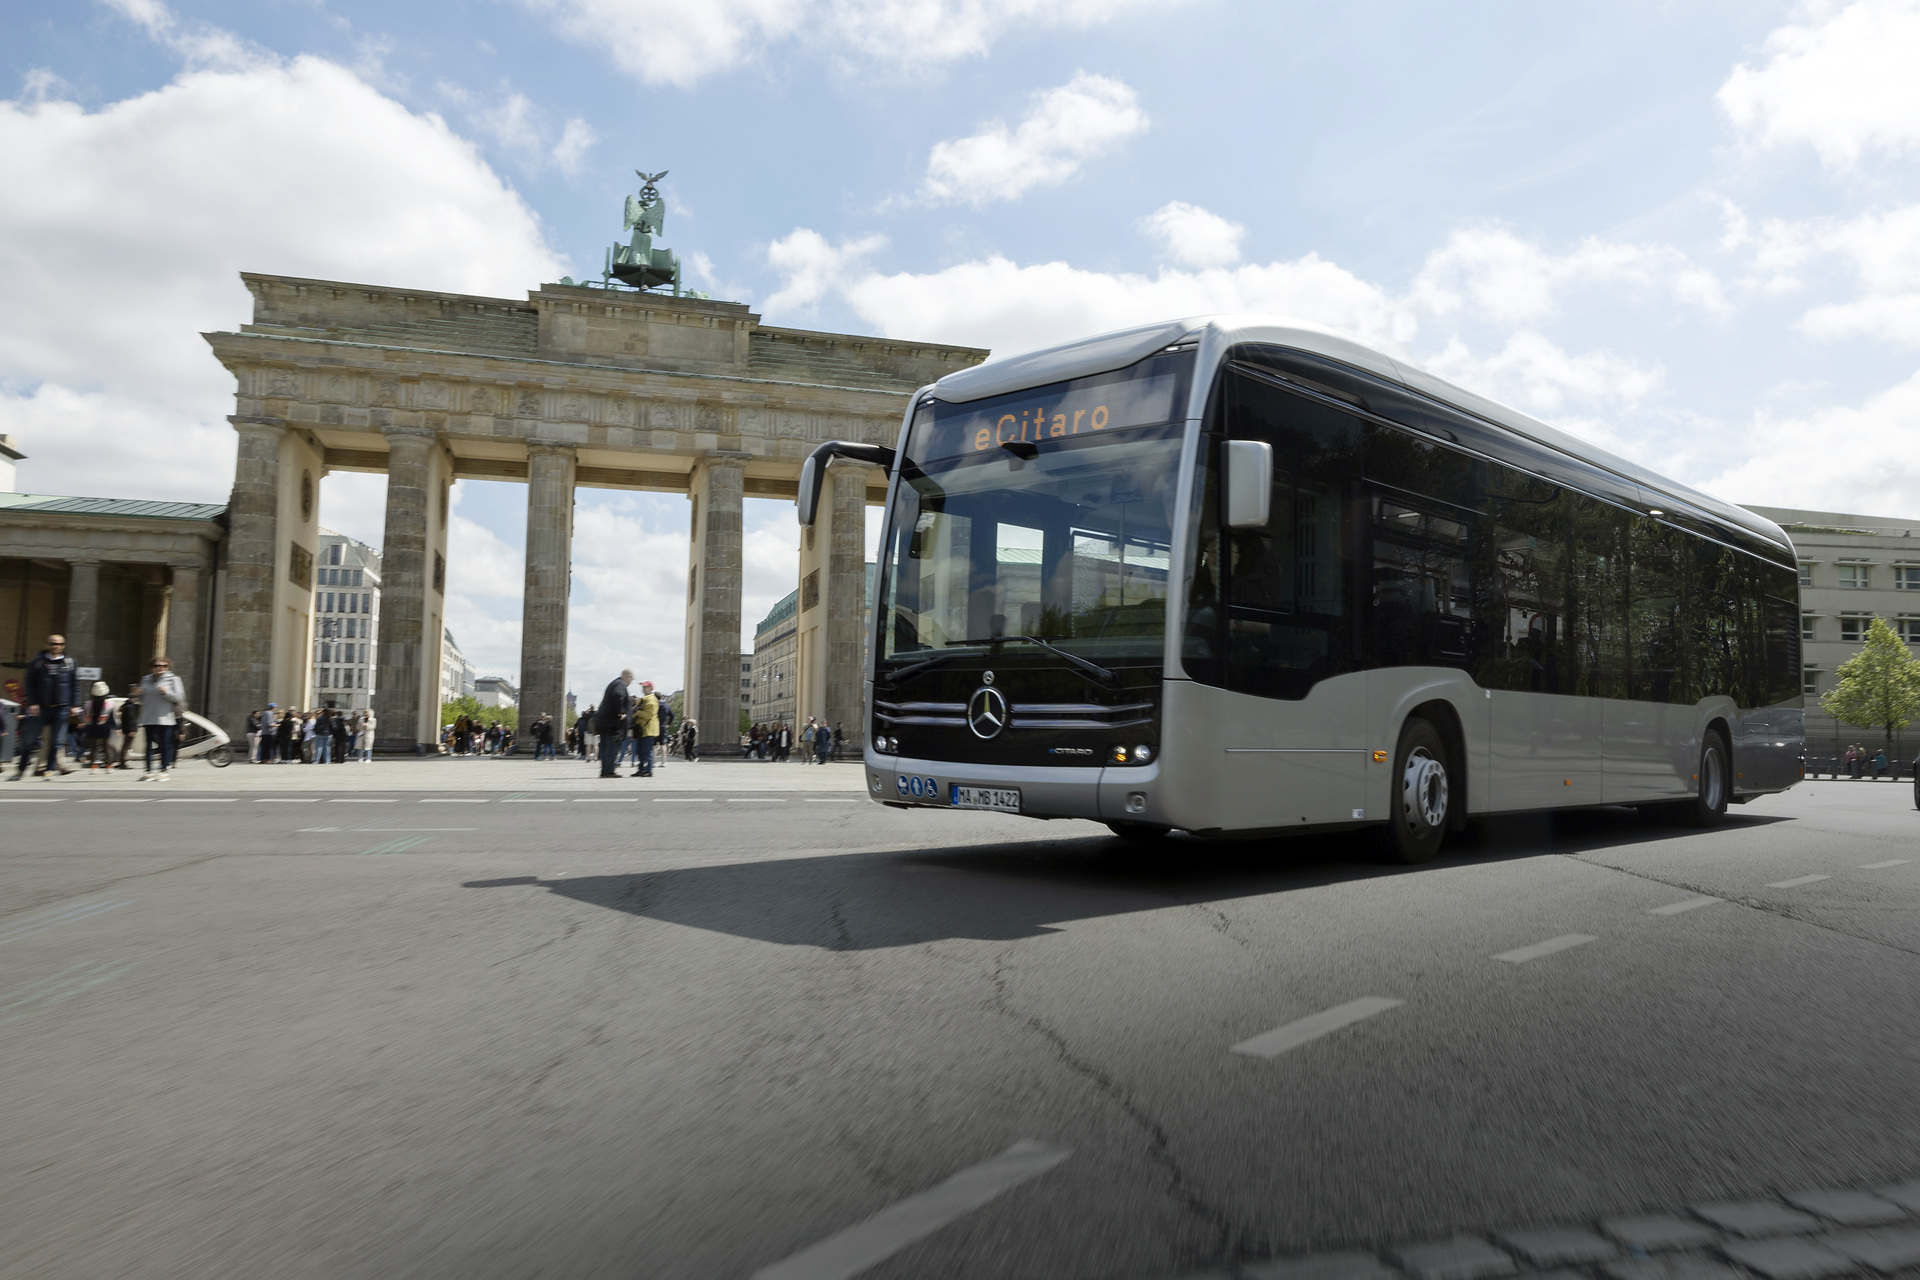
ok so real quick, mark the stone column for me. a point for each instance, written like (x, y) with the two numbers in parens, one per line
(846, 603)
(543, 609)
(83, 613)
(253, 542)
(713, 604)
(405, 581)
(183, 631)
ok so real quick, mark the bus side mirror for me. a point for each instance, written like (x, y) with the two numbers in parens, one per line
(1249, 483)
(813, 472)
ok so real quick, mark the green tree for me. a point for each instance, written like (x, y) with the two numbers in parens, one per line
(468, 705)
(1879, 686)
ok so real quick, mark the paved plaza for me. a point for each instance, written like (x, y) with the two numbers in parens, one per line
(496, 1019)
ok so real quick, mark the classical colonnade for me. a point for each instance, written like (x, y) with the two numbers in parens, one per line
(573, 387)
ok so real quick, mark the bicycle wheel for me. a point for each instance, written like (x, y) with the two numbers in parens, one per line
(220, 757)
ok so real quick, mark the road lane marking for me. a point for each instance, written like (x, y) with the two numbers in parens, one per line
(1520, 955)
(1796, 882)
(683, 800)
(1271, 1044)
(1689, 904)
(199, 799)
(61, 915)
(32, 800)
(395, 846)
(1882, 866)
(68, 982)
(848, 1253)
(455, 800)
(356, 800)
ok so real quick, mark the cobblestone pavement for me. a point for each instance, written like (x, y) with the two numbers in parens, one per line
(1801, 1235)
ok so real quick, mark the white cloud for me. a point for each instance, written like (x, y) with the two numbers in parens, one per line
(809, 266)
(1536, 376)
(1863, 457)
(1497, 276)
(1194, 237)
(676, 43)
(123, 230)
(525, 131)
(629, 589)
(1843, 83)
(1067, 126)
(196, 43)
(1880, 250)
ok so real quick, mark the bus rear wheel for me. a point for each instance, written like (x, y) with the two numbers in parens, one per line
(1422, 796)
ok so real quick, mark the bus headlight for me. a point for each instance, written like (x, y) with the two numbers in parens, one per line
(1142, 753)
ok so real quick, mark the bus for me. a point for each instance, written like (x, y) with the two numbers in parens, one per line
(1240, 576)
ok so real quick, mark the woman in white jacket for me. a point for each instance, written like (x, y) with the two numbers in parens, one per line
(364, 742)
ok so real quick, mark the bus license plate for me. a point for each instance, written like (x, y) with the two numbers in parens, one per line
(1005, 799)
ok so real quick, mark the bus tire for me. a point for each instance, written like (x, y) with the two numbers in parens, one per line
(1708, 808)
(1138, 832)
(1421, 799)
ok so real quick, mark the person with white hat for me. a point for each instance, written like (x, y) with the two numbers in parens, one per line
(96, 726)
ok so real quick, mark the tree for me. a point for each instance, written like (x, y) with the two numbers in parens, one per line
(468, 705)
(1879, 686)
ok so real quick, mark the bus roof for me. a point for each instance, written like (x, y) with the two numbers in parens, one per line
(1104, 352)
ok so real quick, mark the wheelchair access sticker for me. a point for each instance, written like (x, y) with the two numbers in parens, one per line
(918, 788)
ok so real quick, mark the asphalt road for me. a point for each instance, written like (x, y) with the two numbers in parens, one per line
(697, 1035)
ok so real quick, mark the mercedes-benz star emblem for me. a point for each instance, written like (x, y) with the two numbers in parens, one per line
(986, 713)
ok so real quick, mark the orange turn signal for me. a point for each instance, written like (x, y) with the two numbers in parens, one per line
(1379, 757)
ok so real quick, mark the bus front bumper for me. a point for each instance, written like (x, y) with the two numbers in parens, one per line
(1098, 794)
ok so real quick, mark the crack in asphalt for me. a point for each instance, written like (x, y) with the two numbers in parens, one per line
(1159, 1142)
(1755, 904)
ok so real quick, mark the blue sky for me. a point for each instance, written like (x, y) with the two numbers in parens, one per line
(1688, 231)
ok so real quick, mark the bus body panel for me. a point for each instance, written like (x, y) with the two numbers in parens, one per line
(1270, 764)
(1394, 694)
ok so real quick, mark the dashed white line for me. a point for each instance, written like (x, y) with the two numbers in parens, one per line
(1520, 955)
(1271, 1044)
(1796, 882)
(1882, 866)
(357, 800)
(848, 1253)
(198, 799)
(289, 800)
(1689, 904)
(32, 799)
(683, 800)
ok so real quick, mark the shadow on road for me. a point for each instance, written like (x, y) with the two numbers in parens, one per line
(999, 892)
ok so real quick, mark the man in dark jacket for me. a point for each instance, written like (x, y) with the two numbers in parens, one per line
(50, 699)
(610, 721)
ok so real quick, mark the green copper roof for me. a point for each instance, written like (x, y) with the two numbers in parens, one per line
(142, 508)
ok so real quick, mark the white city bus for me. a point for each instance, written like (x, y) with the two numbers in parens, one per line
(1237, 576)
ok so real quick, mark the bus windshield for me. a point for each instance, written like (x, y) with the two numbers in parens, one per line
(1046, 512)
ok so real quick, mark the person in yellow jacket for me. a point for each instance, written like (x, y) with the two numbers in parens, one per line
(646, 727)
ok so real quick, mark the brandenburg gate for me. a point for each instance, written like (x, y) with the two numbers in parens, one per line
(601, 386)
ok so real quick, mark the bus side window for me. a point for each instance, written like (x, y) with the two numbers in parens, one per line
(1289, 585)
(1522, 572)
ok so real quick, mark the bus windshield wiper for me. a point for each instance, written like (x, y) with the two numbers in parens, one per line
(1093, 669)
(891, 678)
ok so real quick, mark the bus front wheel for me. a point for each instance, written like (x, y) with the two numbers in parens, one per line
(1713, 782)
(1419, 807)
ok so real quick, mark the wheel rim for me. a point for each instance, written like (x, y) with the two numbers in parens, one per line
(1713, 780)
(1423, 790)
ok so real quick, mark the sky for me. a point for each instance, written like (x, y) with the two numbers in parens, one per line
(1689, 232)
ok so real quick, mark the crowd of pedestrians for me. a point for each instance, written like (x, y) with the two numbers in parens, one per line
(819, 742)
(288, 735)
(51, 720)
(467, 736)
